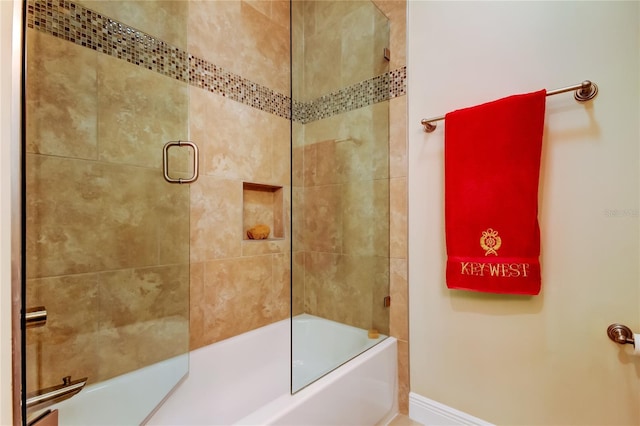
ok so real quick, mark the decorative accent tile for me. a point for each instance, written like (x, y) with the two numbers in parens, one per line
(355, 96)
(377, 89)
(398, 82)
(216, 80)
(84, 27)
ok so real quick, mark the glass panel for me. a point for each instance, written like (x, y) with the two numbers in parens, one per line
(107, 238)
(340, 190)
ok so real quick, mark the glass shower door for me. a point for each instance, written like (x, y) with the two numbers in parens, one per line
(340, 183)
(107, 237)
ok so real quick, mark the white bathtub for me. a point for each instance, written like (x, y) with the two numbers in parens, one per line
(321, 345)
(146, 386)
(245, 380)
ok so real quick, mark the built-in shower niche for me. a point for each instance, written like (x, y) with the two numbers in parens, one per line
(262, 204)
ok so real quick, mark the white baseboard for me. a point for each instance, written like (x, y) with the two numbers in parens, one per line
(432, 413)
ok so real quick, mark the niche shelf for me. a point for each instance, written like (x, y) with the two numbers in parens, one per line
(262, 204)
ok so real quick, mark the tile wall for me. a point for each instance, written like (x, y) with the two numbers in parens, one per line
(99, 214)
(110, 77)
(339, 172)
(396, 12)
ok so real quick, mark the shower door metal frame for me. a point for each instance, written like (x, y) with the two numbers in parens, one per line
(16, 144)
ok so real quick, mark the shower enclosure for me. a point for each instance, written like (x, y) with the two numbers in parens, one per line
(109, 253)
(340, 179)
(107, 237)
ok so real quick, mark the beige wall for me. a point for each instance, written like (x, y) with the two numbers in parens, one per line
(543, 360)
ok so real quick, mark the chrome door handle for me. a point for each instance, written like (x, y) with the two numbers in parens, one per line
(621, 334)
(165, 161)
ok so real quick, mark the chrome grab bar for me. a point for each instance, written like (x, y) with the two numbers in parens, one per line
(35, 317)
(165, 161)
(53, 394)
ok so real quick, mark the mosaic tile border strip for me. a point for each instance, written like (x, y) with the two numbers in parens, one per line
(377, 89)
(214, 79)
(84, 27)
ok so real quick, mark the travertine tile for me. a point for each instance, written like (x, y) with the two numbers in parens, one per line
(261, 6)
(357, 45)
(138, 112)
(363, 148)
(172, 212)
(298, 170)
(85, 216)
(280, 13)
(333, 282)
(281, 296)
(259, 247)
(398, 217)
(61, 104)
(144, 317)
(258, 50)
(322, 166)
(164, 19)
(297, 285)
(133, 346)
(381, 41)
(216, 219)
(298, 231)
(403, 377)
(398, 137)
(240, 295)
(380, 149)
(260, 206)
(235, 140)
(380, 319)
(365, 218)
(396, 11)
(67, 344)
(196, 306)
(321, 53)
(130, 296)
(279, 132)
(399, 315)
(322, 218)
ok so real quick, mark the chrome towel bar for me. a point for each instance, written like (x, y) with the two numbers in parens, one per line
(45, 397)
(584, 91)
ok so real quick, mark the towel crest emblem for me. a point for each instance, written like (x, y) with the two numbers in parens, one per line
(490, 242)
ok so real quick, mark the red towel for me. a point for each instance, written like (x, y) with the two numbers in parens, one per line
(492, 166)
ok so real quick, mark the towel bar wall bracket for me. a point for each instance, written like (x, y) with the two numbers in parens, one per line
(583, 92)
(621, 334)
